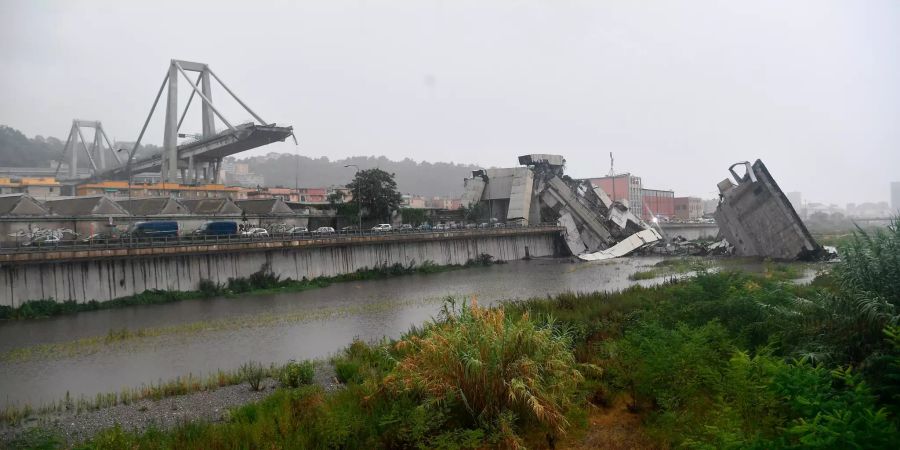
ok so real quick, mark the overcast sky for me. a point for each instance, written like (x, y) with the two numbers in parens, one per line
(676, 90)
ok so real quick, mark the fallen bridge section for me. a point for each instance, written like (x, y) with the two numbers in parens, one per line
(757, 219)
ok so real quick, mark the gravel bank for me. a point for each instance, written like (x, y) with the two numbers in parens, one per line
(210, 406)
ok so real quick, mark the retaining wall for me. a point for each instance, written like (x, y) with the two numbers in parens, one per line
(108, 277)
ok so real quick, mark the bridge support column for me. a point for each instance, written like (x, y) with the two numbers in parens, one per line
(216, 168)
(209, 124)
(170, 138)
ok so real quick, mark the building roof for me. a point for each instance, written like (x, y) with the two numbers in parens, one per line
(21, 205)
(96, 205)
(212, 206)
(154, 206)
(264, 206)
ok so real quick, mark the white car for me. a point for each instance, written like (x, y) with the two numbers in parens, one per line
(324, 230)
(382, 227)
(298, 230)
(256, 232)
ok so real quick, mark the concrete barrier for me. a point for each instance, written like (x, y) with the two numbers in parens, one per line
(690, 231)
(108, 274)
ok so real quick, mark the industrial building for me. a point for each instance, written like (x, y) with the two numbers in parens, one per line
(22, 215)
(658, 204)
(122, 189)
(621, 187)
(39, 187)
(688, 208)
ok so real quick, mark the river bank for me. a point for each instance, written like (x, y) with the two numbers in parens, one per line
(262, 282)
(208, 405)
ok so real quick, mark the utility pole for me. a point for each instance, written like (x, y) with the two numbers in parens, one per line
(612, 174)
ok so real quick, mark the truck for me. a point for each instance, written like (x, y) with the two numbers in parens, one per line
(154, 229)
(218, 228)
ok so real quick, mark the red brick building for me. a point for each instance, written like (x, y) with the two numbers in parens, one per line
(621, 187)
(657, 203)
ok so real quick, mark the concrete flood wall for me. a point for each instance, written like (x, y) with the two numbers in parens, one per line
(691, 231)
(104, 279)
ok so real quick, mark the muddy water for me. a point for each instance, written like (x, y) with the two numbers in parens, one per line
(199, 337)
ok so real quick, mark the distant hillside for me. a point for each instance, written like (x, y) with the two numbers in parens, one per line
(424, 178)
(18, 150)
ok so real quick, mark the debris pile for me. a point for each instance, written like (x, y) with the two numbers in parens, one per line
(596, 227)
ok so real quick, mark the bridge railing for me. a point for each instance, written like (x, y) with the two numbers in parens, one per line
(189, 239)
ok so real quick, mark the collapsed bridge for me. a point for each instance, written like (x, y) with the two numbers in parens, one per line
(596, 227)
(196, 160)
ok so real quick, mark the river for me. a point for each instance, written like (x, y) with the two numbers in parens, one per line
(44, 359)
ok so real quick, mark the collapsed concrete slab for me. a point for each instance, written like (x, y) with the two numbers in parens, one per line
(757, 219)
(541, 192)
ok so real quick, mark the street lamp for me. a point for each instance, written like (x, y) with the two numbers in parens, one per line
(358, 199)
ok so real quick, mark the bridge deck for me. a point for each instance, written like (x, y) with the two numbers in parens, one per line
(226, 143)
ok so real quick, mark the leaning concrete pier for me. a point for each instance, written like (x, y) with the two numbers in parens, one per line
(106, 274)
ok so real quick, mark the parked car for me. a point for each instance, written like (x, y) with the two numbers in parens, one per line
(43, 241)
(405, 227)
(424, 227)
(350, 229)
(470, 226)
(499, 225)
(324, 230)
(441, 227)
(256, 232)
(154, 229)
(382, 227)
(298, 230)
(217, 228)
(484, 225)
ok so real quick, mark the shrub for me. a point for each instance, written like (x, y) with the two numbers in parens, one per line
(208, 288)
(482, 259)
(831, 409)
(253, 373)
(347, 371)
(490, 371)
(295, 374)
(670, 368)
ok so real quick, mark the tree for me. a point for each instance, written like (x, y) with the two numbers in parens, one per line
(375, 191)
(334, 198)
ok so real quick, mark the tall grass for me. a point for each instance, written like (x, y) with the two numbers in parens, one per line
(491, 371)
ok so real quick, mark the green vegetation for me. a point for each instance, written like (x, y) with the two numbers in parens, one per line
(261, 282)
(253, 373)
(375, 191)
(295, 374)
(413, 216)
(721, 360)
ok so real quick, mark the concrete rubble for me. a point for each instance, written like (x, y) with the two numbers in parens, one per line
(756, 218)
(538, 191)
